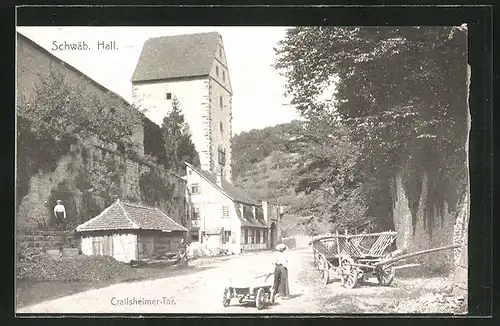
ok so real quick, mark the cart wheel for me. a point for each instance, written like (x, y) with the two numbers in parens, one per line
(240, 299)
(272, 297)
(385, 276)
(351, 279)
(226, 299)
(259, 299)
(325, 275)
(349, 274)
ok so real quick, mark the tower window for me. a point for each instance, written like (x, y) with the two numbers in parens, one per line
(168, 96)
(223, 75)
(217, 70)
(220, 53)
(221, 128)
(221, 156)
(221, 101)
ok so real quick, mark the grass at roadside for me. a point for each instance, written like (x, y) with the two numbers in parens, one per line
(405, 295)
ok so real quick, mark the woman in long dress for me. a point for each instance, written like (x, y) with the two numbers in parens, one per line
(281, 287)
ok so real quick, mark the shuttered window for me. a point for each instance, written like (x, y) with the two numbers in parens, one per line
(225, 212)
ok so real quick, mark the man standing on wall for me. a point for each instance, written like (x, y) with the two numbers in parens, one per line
(60, 214)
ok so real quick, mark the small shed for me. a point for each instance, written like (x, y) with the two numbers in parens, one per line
(130, 231)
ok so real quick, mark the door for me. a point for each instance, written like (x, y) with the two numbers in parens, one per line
(102, 246)
(97, 247)
(108, 246)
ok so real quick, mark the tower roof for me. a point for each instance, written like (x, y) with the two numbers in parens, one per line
(167, 57)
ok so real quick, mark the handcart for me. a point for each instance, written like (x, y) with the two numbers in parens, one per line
(258, 289)
(353, 258)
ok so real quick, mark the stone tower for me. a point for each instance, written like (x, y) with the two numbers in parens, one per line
(193, 69)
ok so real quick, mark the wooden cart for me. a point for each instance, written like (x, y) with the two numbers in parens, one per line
(353, 258)
(258, 289)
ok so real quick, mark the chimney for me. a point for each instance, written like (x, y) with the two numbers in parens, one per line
(219, 178)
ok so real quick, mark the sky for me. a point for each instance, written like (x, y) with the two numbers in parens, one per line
(258, 89)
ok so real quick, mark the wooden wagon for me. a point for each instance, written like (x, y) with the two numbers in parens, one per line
(353, 258)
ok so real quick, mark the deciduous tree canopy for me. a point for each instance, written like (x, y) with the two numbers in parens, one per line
(400, 95)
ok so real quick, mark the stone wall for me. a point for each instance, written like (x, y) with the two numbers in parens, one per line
(448, 227)
(34, 62)
(35, 207)
(43, 240)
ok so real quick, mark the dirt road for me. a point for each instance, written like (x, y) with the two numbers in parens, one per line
(201, 292)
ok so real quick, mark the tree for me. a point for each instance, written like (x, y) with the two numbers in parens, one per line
(62, 109)
(328, 175)
(399, 92)
(179, 147)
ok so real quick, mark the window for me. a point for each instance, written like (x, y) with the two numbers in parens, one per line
(195, 189)
(223, 75)
(221, 102)
(246, 236)
(221, 155)
(168, 96)
(257, 236)
(217, 70)
(195, 217)
(225, 212)
(190, 172)
(227, 237)
(220, 53)
(252, 236)
(221, 126)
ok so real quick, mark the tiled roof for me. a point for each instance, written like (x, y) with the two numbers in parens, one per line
(235, 193)
(176, 56)
(129, 216)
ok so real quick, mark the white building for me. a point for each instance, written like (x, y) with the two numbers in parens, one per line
(193, 69)
(225, 217)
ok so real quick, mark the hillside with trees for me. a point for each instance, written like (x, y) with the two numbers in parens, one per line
(384, 141)
(401, 96)
(267, 164)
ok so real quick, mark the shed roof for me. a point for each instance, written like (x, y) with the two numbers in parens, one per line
(167, 57)
(131, 216)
